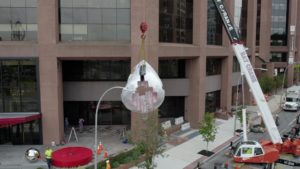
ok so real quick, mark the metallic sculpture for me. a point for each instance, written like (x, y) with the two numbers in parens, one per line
(32, 154)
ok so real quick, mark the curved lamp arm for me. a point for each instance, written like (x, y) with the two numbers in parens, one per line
(96, 120)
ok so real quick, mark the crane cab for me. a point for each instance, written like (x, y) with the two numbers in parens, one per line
(247, 149)
(253, 152)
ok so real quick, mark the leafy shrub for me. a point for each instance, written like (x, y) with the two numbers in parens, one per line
(115, 164)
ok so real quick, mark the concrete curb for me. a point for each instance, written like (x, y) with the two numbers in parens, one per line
(216, 150)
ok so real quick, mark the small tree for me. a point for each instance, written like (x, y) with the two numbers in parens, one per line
(151, 141)
(278, 81)
(208, 128)
(266, 83)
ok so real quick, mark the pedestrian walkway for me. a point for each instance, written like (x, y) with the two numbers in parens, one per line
(185, 155)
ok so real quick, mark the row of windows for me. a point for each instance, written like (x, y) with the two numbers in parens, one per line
(104, 20)
(95, 20)
(115, 70)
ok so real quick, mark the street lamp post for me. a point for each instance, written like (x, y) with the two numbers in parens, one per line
(96, 121)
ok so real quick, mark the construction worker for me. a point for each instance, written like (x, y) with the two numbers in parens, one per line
(48, 155)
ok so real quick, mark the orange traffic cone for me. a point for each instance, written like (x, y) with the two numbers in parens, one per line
(99, 148)
(105, 154)
(107, 165)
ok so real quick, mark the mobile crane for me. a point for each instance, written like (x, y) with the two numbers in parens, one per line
(253, 151)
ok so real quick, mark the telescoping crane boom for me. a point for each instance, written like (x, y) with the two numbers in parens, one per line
(251, 151)
(249, 73)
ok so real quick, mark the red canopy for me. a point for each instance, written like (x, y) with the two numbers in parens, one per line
(17, 118)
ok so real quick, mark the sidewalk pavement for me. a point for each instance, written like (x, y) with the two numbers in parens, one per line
(185, 155)
(182, 156)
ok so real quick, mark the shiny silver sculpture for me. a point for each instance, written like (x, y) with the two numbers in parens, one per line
(32, 154)
(144, 91)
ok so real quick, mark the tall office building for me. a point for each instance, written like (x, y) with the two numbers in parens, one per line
(57, 57)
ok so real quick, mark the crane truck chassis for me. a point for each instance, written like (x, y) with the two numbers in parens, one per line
(266, 151)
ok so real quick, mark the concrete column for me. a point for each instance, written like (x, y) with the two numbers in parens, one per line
(143, 11)
(195, 101)
(50, 72)
(251, 42)
(226, 86)
(292, 21)
(196, 68)
(265, 29)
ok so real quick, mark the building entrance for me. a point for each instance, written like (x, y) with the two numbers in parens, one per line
(19, 134)
(109, 113)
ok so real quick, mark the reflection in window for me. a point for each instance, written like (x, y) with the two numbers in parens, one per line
(172, 68)
(19, 86)
(279, 22)
(212, 101)
(172, 107)
(213, 66)
(94, 20)
(18, 20)
(214, 25)
(278, 57)
(176, 21)
(96, 70)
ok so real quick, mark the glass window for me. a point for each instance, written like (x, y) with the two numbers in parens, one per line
(123, 32)
(31, 15)
(109, 16)
(109, 32)
(18, 3)
(18, 15)
(94, 31)
(212, 101)
(258, 22)
(236, 65)
(66, 3)
(108, 3)
(278, 57)
(172, 68)
(123, 16)
(79, 15)
(176, 21)
(79, 3)
(94, 16)
(96, 70)
(4, 17)
(172, 107)
(31, 3)
(258, 151)
(123, 3)
(5, 3)
(213, 66)
(17, 19)
(100, 20)
(66, 15)
(279, 22)
(214, 25)
(19, 86)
